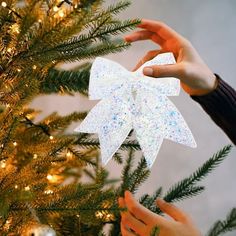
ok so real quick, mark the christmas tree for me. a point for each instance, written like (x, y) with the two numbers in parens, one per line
(38, 158)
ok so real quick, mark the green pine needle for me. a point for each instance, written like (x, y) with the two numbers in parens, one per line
(222, 227)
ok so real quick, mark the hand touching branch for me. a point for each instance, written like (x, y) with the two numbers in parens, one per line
(195, 76)
(138, 220)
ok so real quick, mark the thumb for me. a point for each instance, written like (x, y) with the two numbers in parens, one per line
(162, 71)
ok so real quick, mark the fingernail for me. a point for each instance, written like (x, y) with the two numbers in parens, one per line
(148, 71)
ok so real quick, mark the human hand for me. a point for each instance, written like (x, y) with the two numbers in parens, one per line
(195, 76)
(138, 220)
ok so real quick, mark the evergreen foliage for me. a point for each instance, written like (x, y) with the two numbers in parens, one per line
(227, 225)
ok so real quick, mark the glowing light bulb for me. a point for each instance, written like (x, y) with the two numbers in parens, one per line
(4, 4)
(3, 164)
(51, 137)
(27, 188)
(16, 186)
(9, 50)
(19, 70)
(68, 154)
(55, 8)
(35, 156)
(39, 20)
(61, 13)
(49, 191)
(15, 144)
(49, 177)
(34, 67)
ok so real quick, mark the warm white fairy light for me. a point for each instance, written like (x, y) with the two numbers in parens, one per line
(15, 144)
(19, 70)
(16, 186)
(55, 8)
(3, 164)
(9, 50)
(53, 178)
(34, 67)
(51, 137)
(35, 156)
(4, 4)
(68, 154)
(61, 13)
(27, 188)
(49, 177)
(49, 191)
(39, 20)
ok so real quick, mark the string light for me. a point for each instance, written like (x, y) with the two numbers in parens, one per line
(19, 70)
(68, 154)
(49, 191)
(27, 188)
(35, 156)
(16, 186)
(34, 67)
(9, 50)
(3, 164)
(39, 20)
(15, 144)
(4, 4)
(52, 178)
(49, 177)
(61, 13)
(55, 8)
(51, 137)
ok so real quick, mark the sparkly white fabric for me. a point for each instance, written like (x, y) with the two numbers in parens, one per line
(131, 100)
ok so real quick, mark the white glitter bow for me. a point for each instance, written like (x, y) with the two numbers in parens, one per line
(132, 100)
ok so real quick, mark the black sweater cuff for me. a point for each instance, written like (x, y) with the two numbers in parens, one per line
(220, 105)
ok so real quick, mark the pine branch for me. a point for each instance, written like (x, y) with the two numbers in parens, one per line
(139, 175)
(150, 201)
(180, 190)
(89, 142)
(66, 81)
(227, 225)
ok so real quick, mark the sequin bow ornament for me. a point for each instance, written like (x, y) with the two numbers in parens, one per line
(131, 100)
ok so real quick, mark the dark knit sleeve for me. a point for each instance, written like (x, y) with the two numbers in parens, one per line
(220, 105)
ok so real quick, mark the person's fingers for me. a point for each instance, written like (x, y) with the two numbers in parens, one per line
(150, 55)
(121, 202)
(130, 221)
(140, 212)
(144, 35)
(125, 231)
(160, 28)
(173, 211)
(162, 71)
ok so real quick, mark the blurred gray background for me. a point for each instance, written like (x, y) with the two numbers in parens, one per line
(211, 26)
